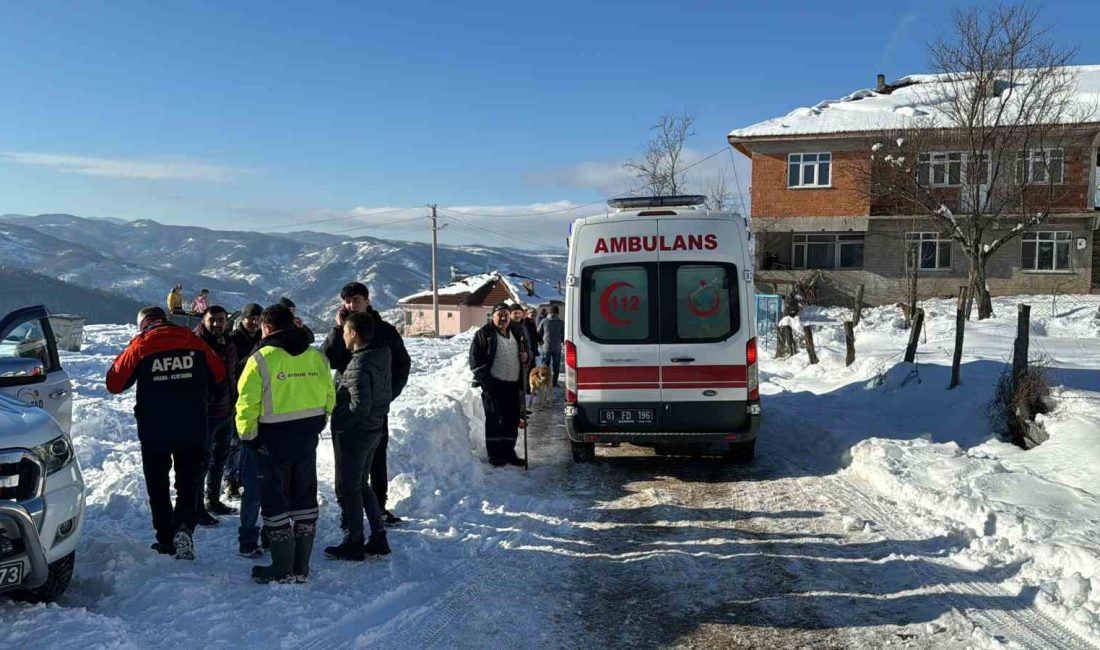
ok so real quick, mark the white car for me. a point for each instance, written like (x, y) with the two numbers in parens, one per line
(41, 486)
(660, 337)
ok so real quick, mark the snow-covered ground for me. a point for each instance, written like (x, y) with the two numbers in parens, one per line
(879, 507)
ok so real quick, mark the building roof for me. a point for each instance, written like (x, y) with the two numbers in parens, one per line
(489, 289)
(914, 99)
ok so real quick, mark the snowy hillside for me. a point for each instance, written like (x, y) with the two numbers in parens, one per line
(143, 259)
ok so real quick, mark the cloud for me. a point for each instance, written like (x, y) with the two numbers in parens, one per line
(132, 168)
(900, 31)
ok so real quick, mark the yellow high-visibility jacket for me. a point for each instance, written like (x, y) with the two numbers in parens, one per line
(175, 301)
(286, 394)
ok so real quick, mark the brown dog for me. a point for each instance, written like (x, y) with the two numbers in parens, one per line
(539, 380)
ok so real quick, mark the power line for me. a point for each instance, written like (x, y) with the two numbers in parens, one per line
(331, 219)
(377, 225)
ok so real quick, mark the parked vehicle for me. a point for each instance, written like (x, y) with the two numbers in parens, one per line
(41, 485)
(660, 335)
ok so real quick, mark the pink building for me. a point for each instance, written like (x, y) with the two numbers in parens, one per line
(465, 303)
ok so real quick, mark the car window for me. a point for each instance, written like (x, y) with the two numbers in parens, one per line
(28, 341)
(619, 304)
(700, 302)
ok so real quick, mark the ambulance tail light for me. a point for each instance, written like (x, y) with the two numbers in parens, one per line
(570, 373)
(752, 373)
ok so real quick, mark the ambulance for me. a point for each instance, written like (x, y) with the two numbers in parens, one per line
(660, 341)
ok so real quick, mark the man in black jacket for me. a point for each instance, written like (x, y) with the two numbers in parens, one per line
(495, 359)
(220, 414)
(356, 298)
(243, 339)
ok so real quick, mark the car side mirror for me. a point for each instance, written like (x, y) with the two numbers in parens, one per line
(18, 371)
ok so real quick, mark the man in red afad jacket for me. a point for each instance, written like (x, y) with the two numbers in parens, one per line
(175, 372)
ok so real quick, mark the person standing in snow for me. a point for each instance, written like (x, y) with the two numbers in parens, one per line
(515, 322)
(286, 396)
(212, 331)
(542, 317)
(243, 340)
(175, 372)
(355, 298)
(552, 332)
(175, 300)
(358, 425)
(533, 338)
(201, 302)
(496, 363)
(289, 304)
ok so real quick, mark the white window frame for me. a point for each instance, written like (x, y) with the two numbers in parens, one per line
(1057, 238)
(1032, 166)
(942, 162)
(838, 241)
(918, 239)
(810, 168)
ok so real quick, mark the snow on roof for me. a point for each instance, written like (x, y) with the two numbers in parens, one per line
(466, 285)
(914, 97)
(544, 290)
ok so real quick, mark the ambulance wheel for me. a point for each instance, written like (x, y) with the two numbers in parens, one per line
(583, 452)
(741, 453)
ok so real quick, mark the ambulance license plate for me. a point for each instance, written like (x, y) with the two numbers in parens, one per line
(11, 574)
(626, 416)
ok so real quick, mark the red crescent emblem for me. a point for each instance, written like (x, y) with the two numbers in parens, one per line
(707, 312)
(605, 303)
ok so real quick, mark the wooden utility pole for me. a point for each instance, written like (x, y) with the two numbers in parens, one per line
(435, 282)
(960, 328)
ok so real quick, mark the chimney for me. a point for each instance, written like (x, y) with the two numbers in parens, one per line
(880, 82)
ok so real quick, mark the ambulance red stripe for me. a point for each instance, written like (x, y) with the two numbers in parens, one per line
(651, 377)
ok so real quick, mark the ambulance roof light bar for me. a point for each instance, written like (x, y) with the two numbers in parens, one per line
(636, 202)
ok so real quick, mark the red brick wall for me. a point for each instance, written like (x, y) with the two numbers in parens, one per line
(847, 197)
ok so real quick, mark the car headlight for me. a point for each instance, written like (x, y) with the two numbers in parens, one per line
(57, 454)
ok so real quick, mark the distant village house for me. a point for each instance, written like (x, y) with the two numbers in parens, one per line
(466, 301)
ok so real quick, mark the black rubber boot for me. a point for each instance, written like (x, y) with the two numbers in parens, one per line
(216, 507)
(281, 568)
(349, 549)
(304, 535)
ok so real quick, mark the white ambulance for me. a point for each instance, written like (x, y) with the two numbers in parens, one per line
(660, 345)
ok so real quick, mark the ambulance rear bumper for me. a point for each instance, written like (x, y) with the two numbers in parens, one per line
(728, 422)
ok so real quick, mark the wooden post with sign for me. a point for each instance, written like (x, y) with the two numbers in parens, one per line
(914, 336)
(960, 327)
(808, 332)
(849, 343)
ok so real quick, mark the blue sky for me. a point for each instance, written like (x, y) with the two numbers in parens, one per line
(263, 115)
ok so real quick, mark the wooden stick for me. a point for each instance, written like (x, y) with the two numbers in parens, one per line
(808, 332)
(850, 343)
(857, 307)
(960, 328)
(914, 337)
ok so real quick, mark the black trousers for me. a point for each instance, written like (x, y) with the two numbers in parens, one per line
(219, 441)
(288, 492)
(501, 400)
(378, 475)
(188, 464)
(355, 450)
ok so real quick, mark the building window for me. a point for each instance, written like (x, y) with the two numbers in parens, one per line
(1046, 251)
(940, 168)
(933, 250)
(832, 251)
(1040, 166)
(809, 169)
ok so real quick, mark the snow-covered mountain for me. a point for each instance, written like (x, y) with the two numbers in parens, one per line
(143, 259)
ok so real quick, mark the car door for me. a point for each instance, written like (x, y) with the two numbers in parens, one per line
(26, 333)
(703, 355)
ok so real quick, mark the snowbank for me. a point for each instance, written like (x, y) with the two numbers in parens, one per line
(897, 429)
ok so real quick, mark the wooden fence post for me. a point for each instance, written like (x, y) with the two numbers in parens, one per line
(1019, 351)
(857, 307)
(914, 337)
(960, 327)
(808, 332)
(850, 343)
(786, 345)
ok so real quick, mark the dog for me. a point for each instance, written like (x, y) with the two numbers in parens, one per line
(539, 381)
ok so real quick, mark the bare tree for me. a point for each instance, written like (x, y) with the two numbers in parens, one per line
(661, 167)
(719, 196)
(1005, 109)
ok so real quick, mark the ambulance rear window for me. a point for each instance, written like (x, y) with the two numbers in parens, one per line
(619, 303)
(699, 301)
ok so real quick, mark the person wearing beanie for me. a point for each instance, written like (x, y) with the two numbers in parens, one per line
(212, 330)
(174, 371)
(240, 466)
(495, 359)
(289, 304)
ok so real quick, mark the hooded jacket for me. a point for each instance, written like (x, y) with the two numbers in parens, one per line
(244, 344)
(286, 395)
(363, 392)
(225, 392)
(385, 335)
(175, 372)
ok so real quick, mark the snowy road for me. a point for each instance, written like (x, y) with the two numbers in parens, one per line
(879, 512)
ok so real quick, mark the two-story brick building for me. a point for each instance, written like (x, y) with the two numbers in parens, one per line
(814, 217)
